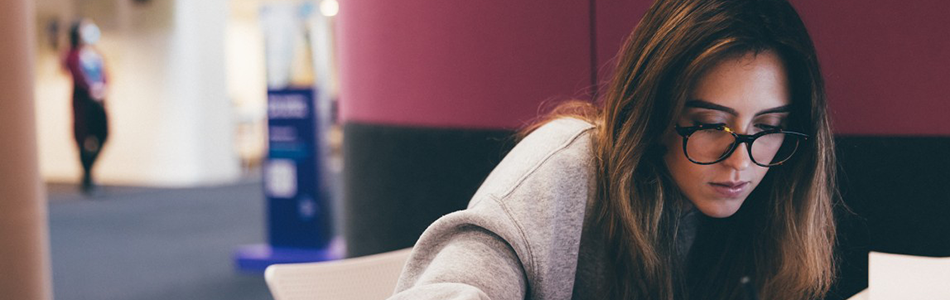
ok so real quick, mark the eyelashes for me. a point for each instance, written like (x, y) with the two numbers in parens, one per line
(777, 125)
(762, 122)
(698, 123)
(769, 127)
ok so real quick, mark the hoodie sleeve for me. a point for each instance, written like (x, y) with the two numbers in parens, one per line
(462, 256)
(520, 236)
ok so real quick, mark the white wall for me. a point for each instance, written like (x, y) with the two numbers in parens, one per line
(247, 85)
(171, 120)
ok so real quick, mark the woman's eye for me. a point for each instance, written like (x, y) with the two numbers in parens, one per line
(768, 126)
(770, 122)
(709, 123)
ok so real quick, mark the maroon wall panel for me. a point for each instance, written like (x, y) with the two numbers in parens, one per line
(467, 64)
(457, 64)
(615, 19)
(886, 63)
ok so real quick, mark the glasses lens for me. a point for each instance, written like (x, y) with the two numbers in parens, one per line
(708, 145)
(774, 148)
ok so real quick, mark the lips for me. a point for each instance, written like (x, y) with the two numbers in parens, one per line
(730, 189)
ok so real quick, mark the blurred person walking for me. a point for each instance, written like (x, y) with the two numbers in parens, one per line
(90, 121)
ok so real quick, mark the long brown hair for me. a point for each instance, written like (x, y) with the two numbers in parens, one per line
(782, 238)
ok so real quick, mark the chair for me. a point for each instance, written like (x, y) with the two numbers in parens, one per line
(365, 277)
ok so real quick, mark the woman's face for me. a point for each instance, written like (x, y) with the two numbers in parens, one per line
(748, 94)
(89, 33)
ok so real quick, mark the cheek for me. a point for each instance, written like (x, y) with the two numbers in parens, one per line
(759, 174)
(688, 176)
(681, 169)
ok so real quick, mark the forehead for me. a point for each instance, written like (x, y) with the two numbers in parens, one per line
(748, 83)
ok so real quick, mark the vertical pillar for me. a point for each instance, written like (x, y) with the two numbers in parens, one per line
(24, 237)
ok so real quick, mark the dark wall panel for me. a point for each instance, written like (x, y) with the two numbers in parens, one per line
(898, 191)
(398, 180)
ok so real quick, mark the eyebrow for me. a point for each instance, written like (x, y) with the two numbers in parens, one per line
(709, 105)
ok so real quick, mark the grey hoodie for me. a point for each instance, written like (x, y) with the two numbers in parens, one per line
(523, 235)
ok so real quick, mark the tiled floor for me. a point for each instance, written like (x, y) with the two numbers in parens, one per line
(133, 243)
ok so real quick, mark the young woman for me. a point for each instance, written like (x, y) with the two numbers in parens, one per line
(707, 172)
(90, 120)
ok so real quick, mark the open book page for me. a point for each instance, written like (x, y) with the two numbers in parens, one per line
(898, 276)
(863, 295)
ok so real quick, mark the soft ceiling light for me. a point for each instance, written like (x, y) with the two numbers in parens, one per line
(329, 8)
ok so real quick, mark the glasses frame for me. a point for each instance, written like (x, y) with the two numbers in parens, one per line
(748, 139)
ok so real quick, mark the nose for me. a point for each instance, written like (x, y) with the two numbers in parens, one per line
(739, 159)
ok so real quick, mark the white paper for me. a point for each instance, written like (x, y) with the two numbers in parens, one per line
(863, 295)
(896, 276)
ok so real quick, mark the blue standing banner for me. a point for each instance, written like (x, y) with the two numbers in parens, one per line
(299, 202)
(298, 212)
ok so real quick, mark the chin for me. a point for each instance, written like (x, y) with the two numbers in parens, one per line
(718, 208)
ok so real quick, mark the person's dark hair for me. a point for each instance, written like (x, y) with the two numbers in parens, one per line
(75, 37)
(783, 236)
